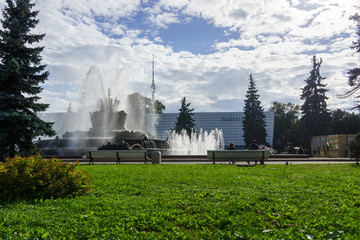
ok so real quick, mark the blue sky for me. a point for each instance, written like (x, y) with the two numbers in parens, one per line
(204, 50)
(196, 36)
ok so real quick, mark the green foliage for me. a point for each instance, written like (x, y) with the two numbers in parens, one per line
(286, 114)
(315, 115)
(254, 120)
(159, 107)
(37, 178)
(343, 122)
(185, 119)
(21, 73)
(139, 106)
(354, 147)
(198, 202)
(354, 74)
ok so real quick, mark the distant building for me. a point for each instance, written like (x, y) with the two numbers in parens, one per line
(229, 122)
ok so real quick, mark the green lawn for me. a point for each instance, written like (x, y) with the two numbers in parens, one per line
(198, 202)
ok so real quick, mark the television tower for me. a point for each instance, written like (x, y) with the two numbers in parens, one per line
(153, 80)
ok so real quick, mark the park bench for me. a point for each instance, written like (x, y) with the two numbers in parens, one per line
(238, 155)
(118, 155)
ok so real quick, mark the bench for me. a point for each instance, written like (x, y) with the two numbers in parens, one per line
(238, 155)
(118, 155)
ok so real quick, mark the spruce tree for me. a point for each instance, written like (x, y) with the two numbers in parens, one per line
(315, 115)
(20, 75)
(254, 120)
(185, 119)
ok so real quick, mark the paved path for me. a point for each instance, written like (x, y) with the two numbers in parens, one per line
(203, 160)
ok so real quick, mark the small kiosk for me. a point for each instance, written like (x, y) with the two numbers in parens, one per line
(331, 145)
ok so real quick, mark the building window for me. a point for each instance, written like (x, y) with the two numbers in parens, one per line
(231, 119)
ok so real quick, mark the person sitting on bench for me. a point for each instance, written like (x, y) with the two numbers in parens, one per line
(253, 146)
(232, 147)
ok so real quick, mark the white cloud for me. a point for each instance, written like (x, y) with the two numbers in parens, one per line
(164, 19)
(275, 41)
(245, 43)
(112, 9)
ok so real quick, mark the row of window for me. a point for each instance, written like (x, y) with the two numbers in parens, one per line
(231, 119)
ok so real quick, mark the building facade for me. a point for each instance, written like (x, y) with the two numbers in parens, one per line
(229, 122)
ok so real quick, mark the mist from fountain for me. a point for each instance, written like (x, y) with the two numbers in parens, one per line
(196, 143)
(94, 89)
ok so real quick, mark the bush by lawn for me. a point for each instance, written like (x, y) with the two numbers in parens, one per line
(198, 202)
(37, 178)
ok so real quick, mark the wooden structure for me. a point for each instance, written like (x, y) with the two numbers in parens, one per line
(331, 145)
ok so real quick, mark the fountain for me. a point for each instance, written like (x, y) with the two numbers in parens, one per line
(102, 122)
(107, 132)
(195, 144)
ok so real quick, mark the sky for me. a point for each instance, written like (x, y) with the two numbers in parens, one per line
(204, 50)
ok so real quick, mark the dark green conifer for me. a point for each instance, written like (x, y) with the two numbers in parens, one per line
(254, 120)
(315, 115)
(21, 73)
(185, 119)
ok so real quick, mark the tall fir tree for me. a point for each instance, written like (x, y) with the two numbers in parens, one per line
(315, 115)
(254, 121)
(21, 72)
(185, 120)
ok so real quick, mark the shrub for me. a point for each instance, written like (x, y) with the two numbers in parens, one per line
(37, 178)
(354, 147)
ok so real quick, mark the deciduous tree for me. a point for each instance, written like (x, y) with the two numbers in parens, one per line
(343, 122)
(285, 115)
(354, 74)
(139, 106)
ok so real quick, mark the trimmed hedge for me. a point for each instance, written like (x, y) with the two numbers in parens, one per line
(37, 178)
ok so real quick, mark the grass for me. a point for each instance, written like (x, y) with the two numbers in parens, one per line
(198, 202)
